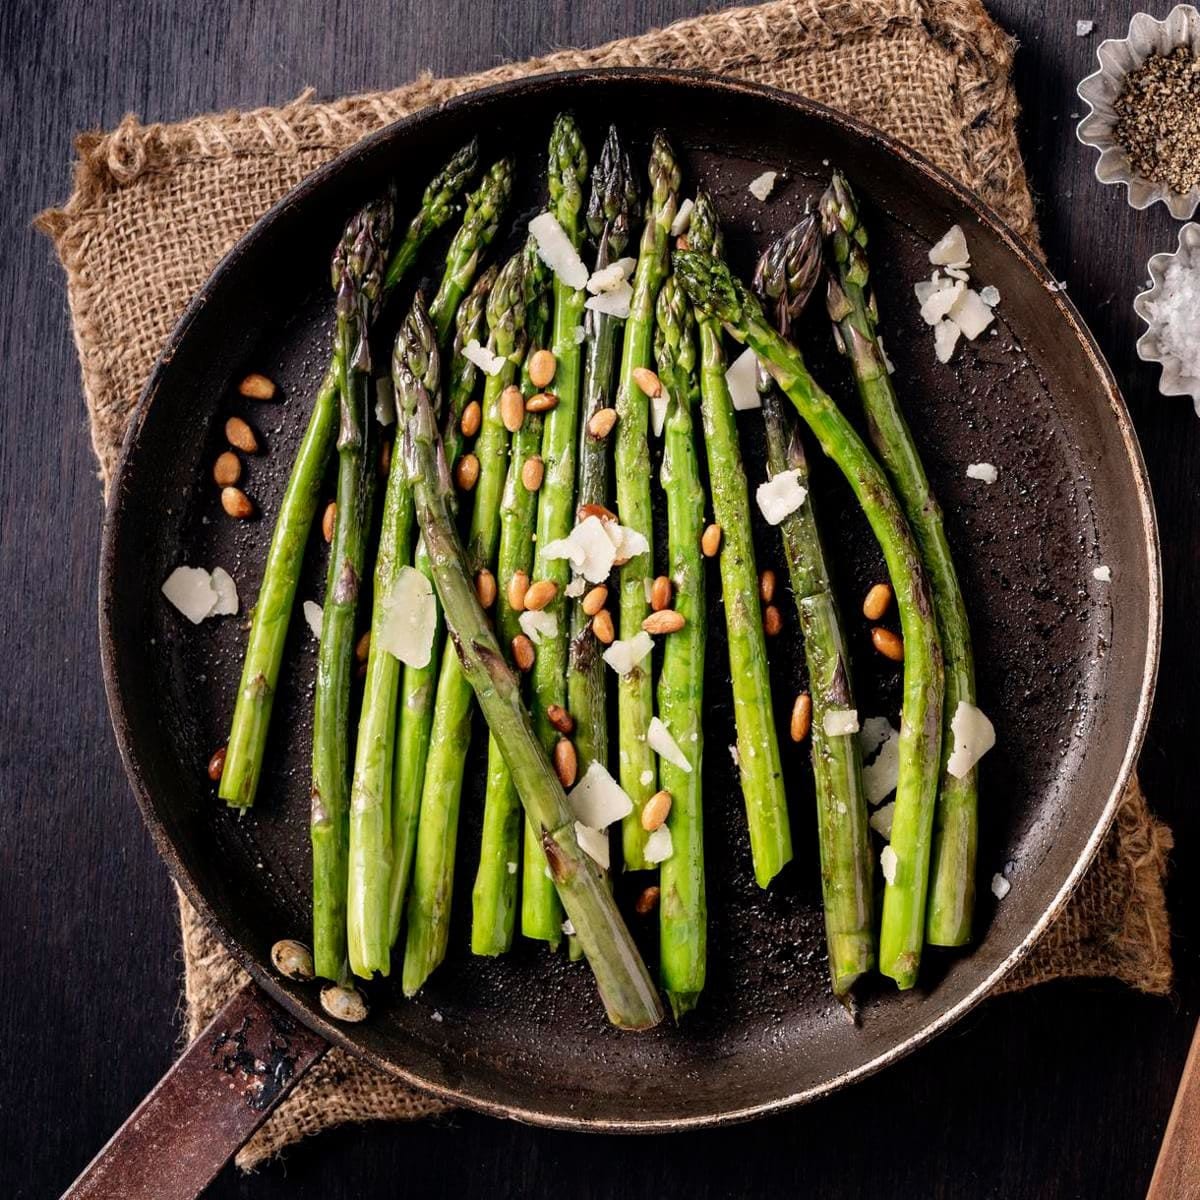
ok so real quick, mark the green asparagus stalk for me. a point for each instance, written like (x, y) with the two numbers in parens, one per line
(541, 913)
(635, 692)
(624, 985)
(852, 308)
(682, 908)
(494, 896)
(419, 684)
(757, 741)
(360, 270)
(437, 828)
(713, 289)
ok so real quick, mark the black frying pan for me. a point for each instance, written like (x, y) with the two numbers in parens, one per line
(1066, 664)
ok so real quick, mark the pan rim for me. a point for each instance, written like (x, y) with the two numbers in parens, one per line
(531, 1112)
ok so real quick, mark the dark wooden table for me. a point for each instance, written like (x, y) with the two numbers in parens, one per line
(1059, 1093)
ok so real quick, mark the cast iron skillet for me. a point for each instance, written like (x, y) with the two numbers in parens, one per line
(1066, 663)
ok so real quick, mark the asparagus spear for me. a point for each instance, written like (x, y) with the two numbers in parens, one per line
(787, 272)
(713, 289)
(541, 914)
(852, 308)
(418, 684)
(494, 896)
(624, 985)
(757, 742)
(635, 694)
(682, 909)
(437, 829)
(359, 268)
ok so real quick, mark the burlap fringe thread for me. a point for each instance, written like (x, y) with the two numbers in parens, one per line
(154, 208)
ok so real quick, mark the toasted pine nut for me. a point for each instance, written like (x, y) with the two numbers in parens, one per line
(595, 510)
(239, 435)
(566, 762)
(540, 594)
(710, 542)
(533, 472)
(466, 474)
(485, 588)
(471, 419)
(656, 810)
(543, 402)
(236, 503)
(328, 520)
(772, 620)
(648, 382)
(801, 717)
(542, 365)
(518, 585)
(522, 652)
(878, 601)
(512, 408)
(660, 593)
(666, 621)
(594, 601)
(766, 586)
(560, 719)
(887, 643)
(602, 422)
(216, 764)
(362, 648)
(602, 627)
(256, 387)
(227, 470)
(647, 901)
(682, 243)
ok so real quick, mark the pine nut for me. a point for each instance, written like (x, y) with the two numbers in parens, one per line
(344, 1003)
(485, 588)
(328, 520)
(216, 765)
(666, 621)
(656, 810)
(647, 901)
(518, 585)
(543, 402)
(540, 594)
(240, 436)
(660, 593)
(878, 601)
(512, 408)
(227, 470)
(256, 387)
(362, 648)
(801, 717)
(236, 503)
(710, 542)
(648, 382)
(566, 762)
(766, 586)
(594, 601)
(466, 474)
(560, 719)
(532, 472)
(887, 643)
(522, 652)
(595, 510)
(772, 621)
(542, 365)
(471, 419)
(602, 627)
(682, 243)
(602, 422)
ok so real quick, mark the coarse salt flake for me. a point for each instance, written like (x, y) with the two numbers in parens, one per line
(568, 928)
(556, 251)
(1102, 574)
(1173, 314)
(945, 338)
(659, 738)
(313, 615)
(781, 496)
(741, 378)
(840, 721)
(974, 735)
(951, 249)
(1083, 28)
(985, 472)
(598, 799)
(1000, 886)
(761, 186)
(483, 358)
(990, 295)
(970, 314)
(940, 302)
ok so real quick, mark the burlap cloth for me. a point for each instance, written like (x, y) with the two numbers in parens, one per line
(155, 207)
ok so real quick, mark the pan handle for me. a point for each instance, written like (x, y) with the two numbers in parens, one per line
(1177, 1172)
(225, 1085)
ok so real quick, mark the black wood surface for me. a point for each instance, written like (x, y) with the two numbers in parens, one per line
(1059, 1093)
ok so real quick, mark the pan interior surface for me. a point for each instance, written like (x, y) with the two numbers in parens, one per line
(1065, 661)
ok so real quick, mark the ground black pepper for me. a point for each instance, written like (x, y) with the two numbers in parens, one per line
(1159, 119)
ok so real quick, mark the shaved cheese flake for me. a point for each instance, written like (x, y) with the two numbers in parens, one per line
(958, 273)
(683, 218)
(881, 774)
(659, 738)
(598, 800)
(658, 411)
(990, 296)
(483, 358)
(576, 587)
(409, 618)
(612, 276)
(659, 846)
(889, 862)
(579, 335)
(593, 843)
(624, 656)
(556, 251)
(945, 338)
(597, 553)
(985, 472)
(628, 543)
(974, 735)
(875, 731)
(742, 380)
(564, 548)
(951, 249)
(614, 302)
(191, 591)
(840, 721)
(568, 929)
(887, 362)
(385, 401)
(763, 185)
(1102, 574)
(941, 302)
(313, 614)
(1000, 886)
(780, 497)
(927, 287)
(538, 624)
(881, 819)
(227, 595)
(970, 314)
(646, 778)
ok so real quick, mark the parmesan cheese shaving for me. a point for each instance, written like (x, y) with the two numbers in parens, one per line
(483, 358)
(576, 587)
(614, 302)
(881, 819)
(985, 472)
(538, 624)
(1102, 574)
(624, 656)
(313, 614)
(658, 846)
(658, 411)
(974, 735)
(881, 773)
(556, 251)
(941, 301)
(598, 800)
(593, 843)
(781, 496)
(611, 277)
(683, 218)
(742, 380)
(840, 721)
(763, 185)
(227, 595)
(659, 738)
(409, 619)
(889, 862)
(1000, 886)
(191, 591)
(385, 401)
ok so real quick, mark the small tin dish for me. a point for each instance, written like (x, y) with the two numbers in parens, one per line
(1101, 90)
(1150, 347)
